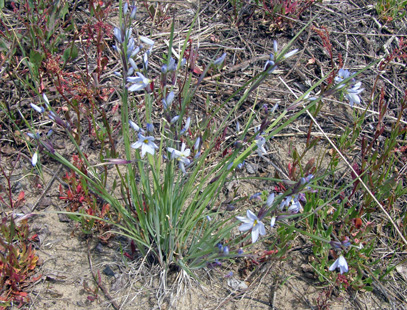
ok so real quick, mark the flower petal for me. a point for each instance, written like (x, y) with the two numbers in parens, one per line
(251, 215)
(255, 235)
(246, 226)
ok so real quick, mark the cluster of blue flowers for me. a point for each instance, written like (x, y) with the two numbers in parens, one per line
(129, 48)
(289, 205)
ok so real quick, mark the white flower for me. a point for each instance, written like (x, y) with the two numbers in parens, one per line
(174, 119)
(341, 263)
(133, 12)
(135, 127)
(197, 142)
(146, 144)
(186, 127)
(270, 200)
(37, 108)
(273, 221)
(342, 74)
(118, 34)
(139, 83)
(146, 40)
(260, 146)
(352, 94)
(167, 101)
(295, 206)
(34, 159)
(133, 64)
(252, 222)
(45, 99)
(292, 53)
(275, 46)
(181, 156)
(145, 60)
(220, 59)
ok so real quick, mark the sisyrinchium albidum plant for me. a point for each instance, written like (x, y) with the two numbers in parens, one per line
(172, 164)
(169, 188)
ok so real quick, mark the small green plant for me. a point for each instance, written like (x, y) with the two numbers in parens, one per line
(17, 263)
(79, 199)
(390, 10)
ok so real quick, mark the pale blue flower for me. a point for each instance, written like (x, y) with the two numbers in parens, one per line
(133, 64)
(275, 46)
(145, 60)
(295, 207)
(252, 222)
(181, 156)
(240, 166)
(33, 136)
(135, 127)
(293, 204)
(341, 263)
(146, 40)
(174, 119)
(45, 99)
(134, 51)
(197, 142)
(150, 128)
(352, 94)
(285, 202)
(170, 67)
(290, 54)
(139, 83)
(270, 66)
(118, 34)
(34, 159)
(307, 179)
(270, 200)
(37, 108)
(255, 196)
(146, 144)
(167, 101)
(260, 146)
(133, 12)
(129, 32)
(273, 221)
(342, 74)
(226, 250)
(186, 127)
(220, 60)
